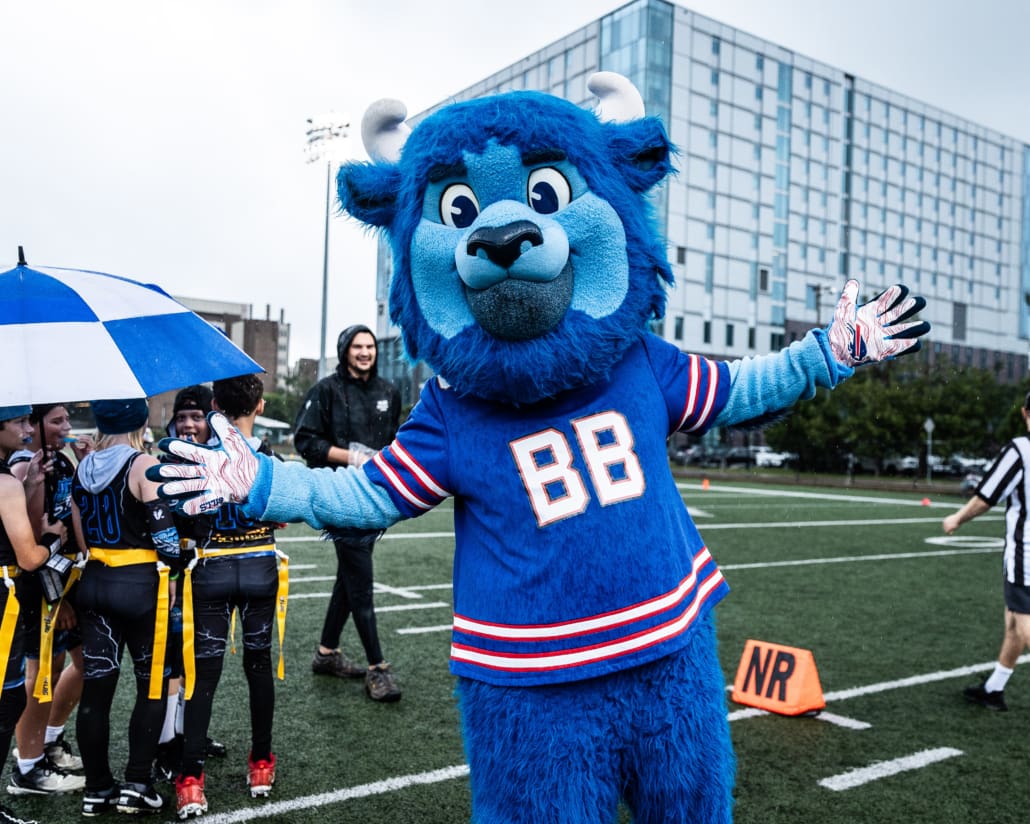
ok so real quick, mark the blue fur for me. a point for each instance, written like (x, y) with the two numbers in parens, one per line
(771, 384)
(289, 491)
(483, 134)
(655, 736)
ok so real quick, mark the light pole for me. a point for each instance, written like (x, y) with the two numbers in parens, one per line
(326, 134)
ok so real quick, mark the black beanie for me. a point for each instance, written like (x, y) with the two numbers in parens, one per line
(118, 417)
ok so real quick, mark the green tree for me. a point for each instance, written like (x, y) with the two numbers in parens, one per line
(882, 409)
(285, 405)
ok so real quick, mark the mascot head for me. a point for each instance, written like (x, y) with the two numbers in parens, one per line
(525, 256)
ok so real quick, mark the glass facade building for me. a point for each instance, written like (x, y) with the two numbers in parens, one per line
(793, 176)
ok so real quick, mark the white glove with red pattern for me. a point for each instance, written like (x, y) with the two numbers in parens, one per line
(202, 477)
(873, 331)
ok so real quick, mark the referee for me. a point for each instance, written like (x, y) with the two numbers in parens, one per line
(1007, 478)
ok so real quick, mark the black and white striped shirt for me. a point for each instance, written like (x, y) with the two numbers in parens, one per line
(1008, 477)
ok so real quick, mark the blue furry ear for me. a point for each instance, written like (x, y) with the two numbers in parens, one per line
(641, 151)
(368, 192)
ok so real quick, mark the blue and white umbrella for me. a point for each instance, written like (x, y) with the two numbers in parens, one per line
(72, 334)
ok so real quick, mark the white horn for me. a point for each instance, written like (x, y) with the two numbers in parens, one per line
(383, 130)
(619, 99)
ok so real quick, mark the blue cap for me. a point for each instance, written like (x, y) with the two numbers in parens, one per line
(8, 413)
(118, 417)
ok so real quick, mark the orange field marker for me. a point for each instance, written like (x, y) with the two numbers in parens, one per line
(779, 679)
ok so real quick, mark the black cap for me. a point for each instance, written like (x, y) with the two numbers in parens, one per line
(193, 397)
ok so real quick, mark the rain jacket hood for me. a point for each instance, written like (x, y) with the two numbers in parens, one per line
(98, 469)
(343, 344)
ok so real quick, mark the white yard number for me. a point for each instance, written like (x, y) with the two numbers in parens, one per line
(556, 490)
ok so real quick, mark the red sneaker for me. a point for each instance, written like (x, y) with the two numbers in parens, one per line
(260, 776)
(189, 796)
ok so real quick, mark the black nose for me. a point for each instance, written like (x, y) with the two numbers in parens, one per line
(503, 244)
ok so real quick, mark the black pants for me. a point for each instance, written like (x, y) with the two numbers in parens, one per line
(221, 585)
(117, 607)
(12, 699)
(352, 596)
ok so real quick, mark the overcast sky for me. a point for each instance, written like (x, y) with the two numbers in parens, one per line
(165, 141)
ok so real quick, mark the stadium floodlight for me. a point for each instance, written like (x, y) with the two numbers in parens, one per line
(327, 135)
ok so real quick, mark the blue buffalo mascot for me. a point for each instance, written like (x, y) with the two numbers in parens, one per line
(526, 266)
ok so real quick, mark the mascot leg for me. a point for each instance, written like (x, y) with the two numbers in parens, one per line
(539, 755)
(656, 735)
(680, 764)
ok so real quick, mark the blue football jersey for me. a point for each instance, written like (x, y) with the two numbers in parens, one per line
(575, 555)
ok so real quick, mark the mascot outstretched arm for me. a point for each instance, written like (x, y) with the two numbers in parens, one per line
(526, 267)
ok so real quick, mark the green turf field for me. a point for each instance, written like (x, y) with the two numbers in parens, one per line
(898, 616)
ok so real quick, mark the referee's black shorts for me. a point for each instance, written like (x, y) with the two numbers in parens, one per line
(1017, 598)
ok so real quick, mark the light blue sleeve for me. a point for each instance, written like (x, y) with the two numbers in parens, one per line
(288, 491)
(763, 386)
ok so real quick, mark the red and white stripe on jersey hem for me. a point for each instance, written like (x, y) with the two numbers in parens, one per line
(426, 481)
(594, 653)
(583, 626)
(691, 408)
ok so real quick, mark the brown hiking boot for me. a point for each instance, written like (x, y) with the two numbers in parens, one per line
(381, 685)
(336, 663)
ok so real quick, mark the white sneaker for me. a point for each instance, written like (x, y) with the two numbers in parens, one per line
(62, 755)
(43, 779)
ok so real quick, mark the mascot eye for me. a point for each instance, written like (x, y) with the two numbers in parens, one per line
(549, 191)
(458, 206)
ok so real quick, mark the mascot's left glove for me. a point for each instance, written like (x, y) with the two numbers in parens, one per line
(205, 476)
(873, 331)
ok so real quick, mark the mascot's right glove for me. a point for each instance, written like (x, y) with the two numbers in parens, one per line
(873, 331)
(202, 477)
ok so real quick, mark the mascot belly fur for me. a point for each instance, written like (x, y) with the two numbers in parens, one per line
(526, 267)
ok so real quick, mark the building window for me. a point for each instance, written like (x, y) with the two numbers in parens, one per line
(706, 334)
(751, 337)
(715, 45)
(678, 329)
(681, 254)
(958, 321)
(729, 334)
(763, 279)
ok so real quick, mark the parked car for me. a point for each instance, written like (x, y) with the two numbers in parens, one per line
(963, 464)
(740, 456)
(970, 482)
(900, 465)
(766, 457)
(707, 456)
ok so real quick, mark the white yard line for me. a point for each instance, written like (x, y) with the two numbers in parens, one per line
(885, 769)
(389, 785)
(820, 496)
(843, 721)
(423, 630)
(390, 608)
(915, 680)
(847, 559)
